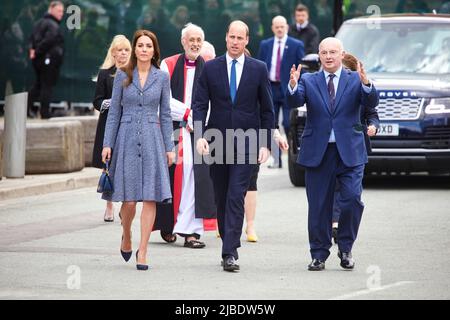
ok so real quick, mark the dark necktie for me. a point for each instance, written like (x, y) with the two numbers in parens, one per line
(278, 65)
(233, 85)
(331, 91)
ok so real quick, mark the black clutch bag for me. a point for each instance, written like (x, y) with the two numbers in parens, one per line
(105, 183)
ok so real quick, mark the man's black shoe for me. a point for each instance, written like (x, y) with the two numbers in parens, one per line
(229, 264)
(347, 261)
(316, 265)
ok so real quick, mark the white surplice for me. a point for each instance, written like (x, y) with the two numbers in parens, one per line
(186, 221)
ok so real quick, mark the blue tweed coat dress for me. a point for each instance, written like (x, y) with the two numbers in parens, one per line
(139, 137)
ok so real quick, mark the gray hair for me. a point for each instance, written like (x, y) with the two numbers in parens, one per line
(189, 27)
(332, 39)
(208, 48)
(279, 18)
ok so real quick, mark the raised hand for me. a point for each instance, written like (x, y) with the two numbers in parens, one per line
(295, 75)
(362, 74)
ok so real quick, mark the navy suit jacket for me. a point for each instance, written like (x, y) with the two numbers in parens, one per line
(253, 106)
(294, 52)
(345, 120)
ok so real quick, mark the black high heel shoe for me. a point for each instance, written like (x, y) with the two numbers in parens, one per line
(140, 266)
(126, 255)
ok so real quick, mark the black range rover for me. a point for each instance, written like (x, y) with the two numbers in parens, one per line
(408, 59)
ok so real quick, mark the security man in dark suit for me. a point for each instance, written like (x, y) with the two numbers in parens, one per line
(279, 53)
(304, 30)
(46, 54)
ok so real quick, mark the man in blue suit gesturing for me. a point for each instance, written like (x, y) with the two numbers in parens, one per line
(238, 89)
(332, 148)
(280, 53)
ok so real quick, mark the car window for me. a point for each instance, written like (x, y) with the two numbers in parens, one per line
(400, 47)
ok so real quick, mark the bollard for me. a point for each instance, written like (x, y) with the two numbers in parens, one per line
(14, 137)
(1, 157)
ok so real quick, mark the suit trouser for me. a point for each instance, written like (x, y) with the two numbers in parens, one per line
(279, 102)
(336, 203)
(231, 182)
(46, 76)
(320, 188)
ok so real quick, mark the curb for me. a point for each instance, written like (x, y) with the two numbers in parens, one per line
(48, 187)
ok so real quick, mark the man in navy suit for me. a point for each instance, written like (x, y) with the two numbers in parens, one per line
(280, 53)
(332, 148)
(239, 92)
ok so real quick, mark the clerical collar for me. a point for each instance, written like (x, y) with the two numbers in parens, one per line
(189, 63)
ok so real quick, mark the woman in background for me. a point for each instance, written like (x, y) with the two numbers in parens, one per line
(252, 191)
(118, 55)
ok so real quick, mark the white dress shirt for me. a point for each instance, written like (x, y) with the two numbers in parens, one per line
(303, 25)
(239, 68)
(337, 76)
(273, 65)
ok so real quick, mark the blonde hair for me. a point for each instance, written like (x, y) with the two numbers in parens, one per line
(118, 41)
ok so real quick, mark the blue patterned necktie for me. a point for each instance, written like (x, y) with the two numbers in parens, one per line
(233, 81)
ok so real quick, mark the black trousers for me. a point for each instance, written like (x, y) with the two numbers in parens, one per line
(279, 102)
(46, 77)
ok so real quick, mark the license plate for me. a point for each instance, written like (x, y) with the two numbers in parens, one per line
(388, 129)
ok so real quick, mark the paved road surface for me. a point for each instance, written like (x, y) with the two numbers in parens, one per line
(56, 246)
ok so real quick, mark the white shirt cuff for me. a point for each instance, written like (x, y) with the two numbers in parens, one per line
(292, 91)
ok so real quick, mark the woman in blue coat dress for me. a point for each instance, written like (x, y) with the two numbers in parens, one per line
(138, 140)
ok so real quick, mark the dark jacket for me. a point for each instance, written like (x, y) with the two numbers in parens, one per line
(103, 91)
(309, 35)
(369, 116)
(47, 39)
